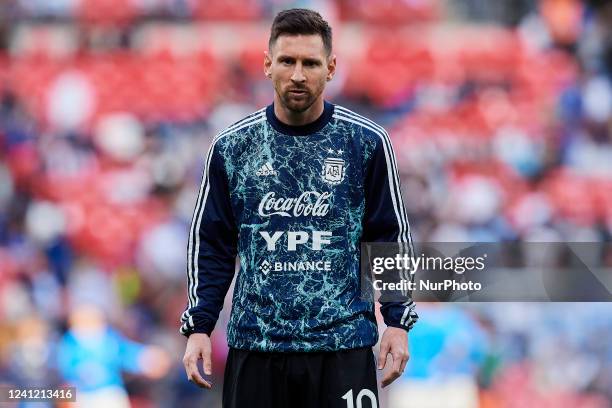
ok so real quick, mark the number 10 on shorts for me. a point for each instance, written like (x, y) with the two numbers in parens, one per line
(363, 393)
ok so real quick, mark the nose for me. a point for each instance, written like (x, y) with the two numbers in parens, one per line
(298, 75)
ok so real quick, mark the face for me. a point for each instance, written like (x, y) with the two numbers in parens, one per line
(299, 68)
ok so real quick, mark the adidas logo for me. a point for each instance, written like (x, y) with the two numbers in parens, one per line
(266, 170)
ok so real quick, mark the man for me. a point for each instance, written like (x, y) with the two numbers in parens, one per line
(293, 189)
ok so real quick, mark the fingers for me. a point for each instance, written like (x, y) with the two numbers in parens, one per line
(389, 378)
(400, 359)
(382, 355)
(193, 374)
(399, 363)
(198, 347)
(206, 354)
(404, 362)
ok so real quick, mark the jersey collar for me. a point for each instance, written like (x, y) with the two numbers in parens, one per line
(303, 130)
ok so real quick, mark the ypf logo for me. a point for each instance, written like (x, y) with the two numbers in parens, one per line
(295, 238)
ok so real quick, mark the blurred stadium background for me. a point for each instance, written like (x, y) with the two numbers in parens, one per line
(501, 117)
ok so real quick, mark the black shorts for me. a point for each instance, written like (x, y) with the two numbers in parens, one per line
(318, 380)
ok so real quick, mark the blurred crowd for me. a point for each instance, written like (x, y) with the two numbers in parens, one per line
(501, 118)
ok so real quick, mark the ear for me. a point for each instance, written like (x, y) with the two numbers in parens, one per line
(331, 67)
(267, 64)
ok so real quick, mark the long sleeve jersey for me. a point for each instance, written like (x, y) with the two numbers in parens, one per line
(295, 203)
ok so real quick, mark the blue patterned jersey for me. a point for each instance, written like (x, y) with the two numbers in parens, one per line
(294, 203)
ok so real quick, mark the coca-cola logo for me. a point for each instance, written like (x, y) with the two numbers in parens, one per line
(308, 204)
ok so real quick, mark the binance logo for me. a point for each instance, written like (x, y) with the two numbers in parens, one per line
(265, 267)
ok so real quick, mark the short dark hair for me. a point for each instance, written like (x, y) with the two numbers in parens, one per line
(301, 21)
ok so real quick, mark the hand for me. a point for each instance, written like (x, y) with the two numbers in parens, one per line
(198, 347)
(395, 342)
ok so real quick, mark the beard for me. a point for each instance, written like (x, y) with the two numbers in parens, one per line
(299, 103)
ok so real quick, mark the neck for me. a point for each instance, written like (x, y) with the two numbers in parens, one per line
(298, 118)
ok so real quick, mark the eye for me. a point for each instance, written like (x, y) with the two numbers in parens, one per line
(312, 63)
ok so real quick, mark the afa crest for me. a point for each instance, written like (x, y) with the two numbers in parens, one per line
(333, 170)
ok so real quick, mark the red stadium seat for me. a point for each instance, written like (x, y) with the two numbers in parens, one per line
(251, 59)
(228, 10)
(4, 71)
(573, 196)
(107, 12)
(389, 11)
(154, 86)
(30, 77)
